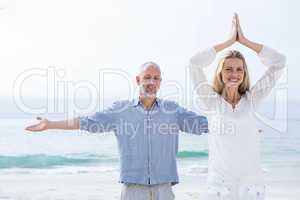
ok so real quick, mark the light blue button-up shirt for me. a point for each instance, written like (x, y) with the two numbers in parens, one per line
(147, 140)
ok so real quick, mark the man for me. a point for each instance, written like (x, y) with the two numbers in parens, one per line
(147, 133)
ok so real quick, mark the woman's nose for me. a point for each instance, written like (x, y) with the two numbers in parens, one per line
(234, 74)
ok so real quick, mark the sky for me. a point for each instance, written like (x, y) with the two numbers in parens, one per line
(93, 48)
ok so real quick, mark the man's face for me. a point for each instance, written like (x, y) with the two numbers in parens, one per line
(149, 81)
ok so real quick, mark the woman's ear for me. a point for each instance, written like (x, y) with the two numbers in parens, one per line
(221, 77)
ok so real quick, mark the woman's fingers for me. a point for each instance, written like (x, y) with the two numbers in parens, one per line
(240, 37)
(237, 18)
(234, 29)
(238, 24)
(234, 22)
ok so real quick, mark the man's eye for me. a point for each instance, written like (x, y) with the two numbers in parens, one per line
(147, 77)
(156, 78)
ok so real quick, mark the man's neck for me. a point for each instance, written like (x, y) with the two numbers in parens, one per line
(147, 102)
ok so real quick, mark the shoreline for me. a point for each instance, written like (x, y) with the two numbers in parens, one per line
(98, 186)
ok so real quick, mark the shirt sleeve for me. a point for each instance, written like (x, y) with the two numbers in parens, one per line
(207, 96)
(100, 122)
(191, 122)
(275, 62)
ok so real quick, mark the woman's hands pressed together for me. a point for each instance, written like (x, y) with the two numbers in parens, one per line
(237, 35)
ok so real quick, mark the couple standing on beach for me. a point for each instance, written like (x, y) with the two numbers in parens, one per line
(147, 127)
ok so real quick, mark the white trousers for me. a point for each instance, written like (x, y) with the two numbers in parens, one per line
(222, 189)
(143, 192)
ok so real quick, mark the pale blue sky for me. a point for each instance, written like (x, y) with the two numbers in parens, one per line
(82, 37)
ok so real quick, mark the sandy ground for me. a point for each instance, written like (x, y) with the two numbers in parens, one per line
(105, 186)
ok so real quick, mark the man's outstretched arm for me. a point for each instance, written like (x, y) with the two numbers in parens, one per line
(45, 124)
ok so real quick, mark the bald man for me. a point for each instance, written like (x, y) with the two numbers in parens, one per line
(147, 130)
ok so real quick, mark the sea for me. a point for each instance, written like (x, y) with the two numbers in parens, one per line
(69, 152)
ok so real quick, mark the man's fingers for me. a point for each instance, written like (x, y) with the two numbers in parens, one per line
(30, 128)
(34, 127)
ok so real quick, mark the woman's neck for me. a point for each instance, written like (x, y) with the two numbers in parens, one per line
(231, 95)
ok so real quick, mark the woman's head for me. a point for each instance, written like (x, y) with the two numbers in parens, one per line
(232, 72)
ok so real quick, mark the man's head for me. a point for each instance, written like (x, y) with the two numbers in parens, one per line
(149, 79)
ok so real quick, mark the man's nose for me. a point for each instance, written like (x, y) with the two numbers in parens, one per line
(151, 81)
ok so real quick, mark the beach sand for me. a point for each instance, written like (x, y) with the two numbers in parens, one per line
(105, 186)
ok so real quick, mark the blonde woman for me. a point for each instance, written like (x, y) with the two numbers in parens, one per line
(234, 155)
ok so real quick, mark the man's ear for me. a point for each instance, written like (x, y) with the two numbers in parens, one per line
(137, 78)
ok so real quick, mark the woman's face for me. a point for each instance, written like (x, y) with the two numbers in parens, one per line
(233, 72)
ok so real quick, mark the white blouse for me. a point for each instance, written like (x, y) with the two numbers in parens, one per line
(234, 142)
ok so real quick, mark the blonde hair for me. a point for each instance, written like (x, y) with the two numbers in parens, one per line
(218, 84)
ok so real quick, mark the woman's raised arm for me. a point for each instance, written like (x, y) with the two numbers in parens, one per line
(271, 59)
(203, 89)
(244, 41)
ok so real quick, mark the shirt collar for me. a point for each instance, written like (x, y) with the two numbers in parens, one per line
(136, 102)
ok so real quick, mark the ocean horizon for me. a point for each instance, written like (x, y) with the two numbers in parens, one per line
(65, 152)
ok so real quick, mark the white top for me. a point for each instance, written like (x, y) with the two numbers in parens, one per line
(234, 141)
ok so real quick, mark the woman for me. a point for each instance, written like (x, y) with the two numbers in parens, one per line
(234, 155)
